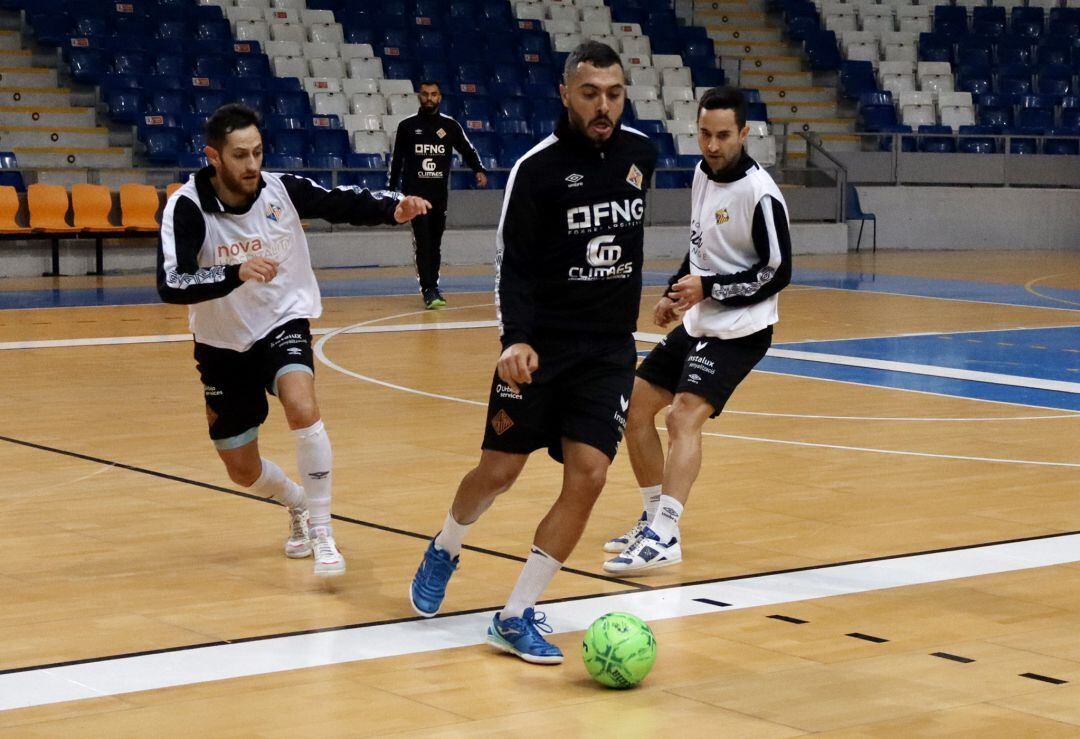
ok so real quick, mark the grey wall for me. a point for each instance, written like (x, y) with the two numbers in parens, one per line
(973, 217)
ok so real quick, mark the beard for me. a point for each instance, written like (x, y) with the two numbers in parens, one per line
(236, 185)
(429, 108)
(583, 126)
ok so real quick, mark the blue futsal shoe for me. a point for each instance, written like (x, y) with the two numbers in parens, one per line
(429, 584)
(521, 637)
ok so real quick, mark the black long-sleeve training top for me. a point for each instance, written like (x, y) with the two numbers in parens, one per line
(571, 236)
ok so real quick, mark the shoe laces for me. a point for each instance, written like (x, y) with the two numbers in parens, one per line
(438, 567)
(299, 524)
(324, 547)
(538, 621)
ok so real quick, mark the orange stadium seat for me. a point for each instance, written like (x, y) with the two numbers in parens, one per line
(9, 209)
(49, 205)
(172, 187)
(139, 206)
(91, 205)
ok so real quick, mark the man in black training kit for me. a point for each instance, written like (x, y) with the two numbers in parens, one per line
(420, 166)
(569, 252)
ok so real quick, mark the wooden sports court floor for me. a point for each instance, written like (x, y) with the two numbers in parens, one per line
(884, 541)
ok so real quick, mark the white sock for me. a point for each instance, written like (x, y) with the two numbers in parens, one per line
(650, 501)
(315, 460)
(539, 568)
(666, 523)
(452, 534)
(273, 483)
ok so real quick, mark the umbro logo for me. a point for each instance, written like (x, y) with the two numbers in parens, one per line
(701, 345)
(575, 178)
(318, 475)
(624, 403)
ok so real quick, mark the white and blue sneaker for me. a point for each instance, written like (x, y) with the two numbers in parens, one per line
(429, 584)
(647, 553)
(619, 543)
(521, 637)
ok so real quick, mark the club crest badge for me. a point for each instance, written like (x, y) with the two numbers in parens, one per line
(635, 177)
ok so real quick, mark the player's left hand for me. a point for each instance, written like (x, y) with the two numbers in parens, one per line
(687, 293)
(481, 179)
(410, 207)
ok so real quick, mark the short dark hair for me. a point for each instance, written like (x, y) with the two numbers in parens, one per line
(595, 53)
(725, 98)
(432, 83)
(229, 118)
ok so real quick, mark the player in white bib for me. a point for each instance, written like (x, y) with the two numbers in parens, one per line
(726, 292)
(233, 250)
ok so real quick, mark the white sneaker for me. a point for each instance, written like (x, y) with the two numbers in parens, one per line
(619, 543)
(328, 560)
(299, 544)
(647, 553)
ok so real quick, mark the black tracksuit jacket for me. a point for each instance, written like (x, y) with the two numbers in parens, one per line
(570, 240)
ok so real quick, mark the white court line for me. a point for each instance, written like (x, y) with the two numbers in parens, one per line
(172, 338)
(205, 664)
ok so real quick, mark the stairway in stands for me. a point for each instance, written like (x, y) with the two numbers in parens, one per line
(45, 124)
(754, 54)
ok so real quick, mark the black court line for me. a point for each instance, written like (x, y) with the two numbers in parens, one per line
(1043, 678)
(711, 602)
(789, 619)
(867, 637)
(953, 657)
(335, 516)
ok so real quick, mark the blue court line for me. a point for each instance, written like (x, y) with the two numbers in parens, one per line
(980, 292)
(923, 383)
(1044, 353)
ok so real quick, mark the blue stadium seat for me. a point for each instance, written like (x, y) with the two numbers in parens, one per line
(291, 103)
(398, 69)
(282, 162)
(976, 80)
(936, 143)
(822, 53)
(174, 29)
(650, 127)
(1023, 140)
(254, 99)
(252, 65)
(994, 112)
(876, 111)
(485, 143)
(504, 125)
(217, 30)
(1013, 50)
(278, 122)
(856, 78)
(707, 76)
(1063, 146)
(512, 147)
(543, 125)
(1027, 21)
(165, 144)
(513, 107)
(290, 142)
(168, 102)
(974, 51)
(354, 160)
(329, 141)
(1054, 79)
(207, 101)
(988, 21)
(10, 174)
(935, 47)
(1036, 111)
(976, 140)
(1070, 112)
(88, 66)
(665, 144)
(950, 20)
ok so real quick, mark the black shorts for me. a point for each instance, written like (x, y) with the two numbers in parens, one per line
(581, 392)
(235, 384)
(709, 367)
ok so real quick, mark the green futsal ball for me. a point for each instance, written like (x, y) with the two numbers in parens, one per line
(619, 650)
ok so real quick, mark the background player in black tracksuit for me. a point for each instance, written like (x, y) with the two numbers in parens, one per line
(420, 166)
(568, 293)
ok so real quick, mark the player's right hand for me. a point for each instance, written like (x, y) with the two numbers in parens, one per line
(259, 269)
(664, 311)
(516, 365)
